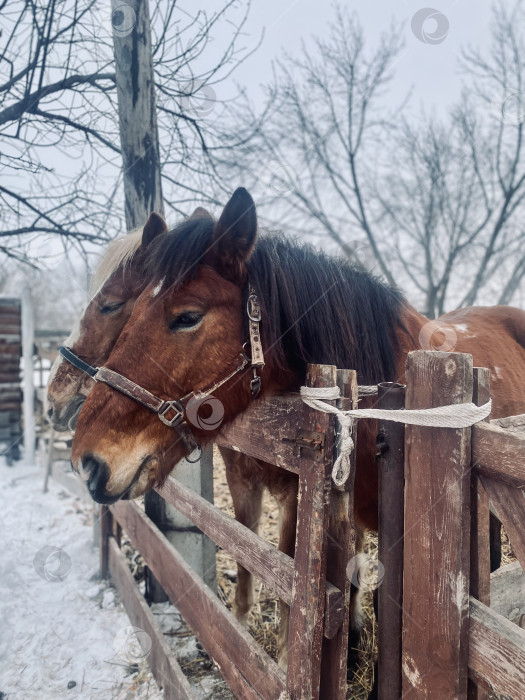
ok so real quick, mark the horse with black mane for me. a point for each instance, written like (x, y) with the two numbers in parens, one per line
(187, 334)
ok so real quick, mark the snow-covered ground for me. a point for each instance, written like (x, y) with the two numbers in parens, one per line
(60, 625)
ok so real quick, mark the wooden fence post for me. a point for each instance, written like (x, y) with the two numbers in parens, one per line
(437, 522)
(105, 529)
(340, 549)
(480, 526)
(143, 194)
(391, 528)
(307, 612)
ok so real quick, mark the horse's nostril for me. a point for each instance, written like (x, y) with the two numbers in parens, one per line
(98, 472)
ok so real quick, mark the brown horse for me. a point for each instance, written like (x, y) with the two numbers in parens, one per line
(117, 283)
(187, 331)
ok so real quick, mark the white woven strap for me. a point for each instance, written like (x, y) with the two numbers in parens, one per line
(460, 415)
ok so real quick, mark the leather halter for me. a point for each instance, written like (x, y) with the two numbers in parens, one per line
(171, 412)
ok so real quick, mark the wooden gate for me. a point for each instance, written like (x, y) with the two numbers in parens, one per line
(10, 389)
(438, 636)
(286, 433)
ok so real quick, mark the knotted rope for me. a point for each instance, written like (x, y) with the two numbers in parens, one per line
(460, 415)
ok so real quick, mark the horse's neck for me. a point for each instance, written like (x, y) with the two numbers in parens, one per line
(408, 337)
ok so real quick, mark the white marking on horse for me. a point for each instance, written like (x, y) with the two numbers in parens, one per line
(157, 289)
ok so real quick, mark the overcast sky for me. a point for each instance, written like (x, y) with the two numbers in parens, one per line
(429, 69)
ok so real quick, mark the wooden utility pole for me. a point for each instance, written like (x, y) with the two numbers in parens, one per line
(139, 136)
(139, 141)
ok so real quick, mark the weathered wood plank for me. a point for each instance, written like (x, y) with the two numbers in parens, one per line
(306, 614)
(437, 522)
(513, 423)
(391, 530)
(496, 651)
(496, 453)
(249, 671)
(480, 511)
(274, 568)
(509, 503)
(341, 548)
(106, 522)
(161, 658)
(480, 543)
(264, 560)
(278, 422)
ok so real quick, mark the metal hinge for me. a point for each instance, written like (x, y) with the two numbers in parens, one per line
(307, 444)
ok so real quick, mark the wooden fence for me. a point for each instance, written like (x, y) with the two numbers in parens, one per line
(10, 388)
(438, 637)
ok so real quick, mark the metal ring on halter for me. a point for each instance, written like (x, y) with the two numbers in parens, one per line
(253, 308)
(198, 449)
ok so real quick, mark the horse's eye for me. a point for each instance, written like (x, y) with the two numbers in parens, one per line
(185, 321)
(110, 308)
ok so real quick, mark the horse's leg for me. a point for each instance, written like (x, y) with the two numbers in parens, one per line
(356, 615)
(287, 500)
(495, 543)
(246, 492)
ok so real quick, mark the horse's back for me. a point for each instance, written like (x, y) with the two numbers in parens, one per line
(508, 318)
(495, 337)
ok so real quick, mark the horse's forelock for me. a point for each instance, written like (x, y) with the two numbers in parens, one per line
(177, 257)
(118, 254)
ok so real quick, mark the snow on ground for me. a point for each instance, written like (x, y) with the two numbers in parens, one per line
(59, 624)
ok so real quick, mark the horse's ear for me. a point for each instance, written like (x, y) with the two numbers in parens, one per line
(234, 234)
(200, 213)
(155, 225)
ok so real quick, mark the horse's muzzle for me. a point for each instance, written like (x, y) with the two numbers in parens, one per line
(97, 473)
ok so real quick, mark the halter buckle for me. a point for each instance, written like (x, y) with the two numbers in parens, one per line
(253, 308)
(255, 384)
(175, 406)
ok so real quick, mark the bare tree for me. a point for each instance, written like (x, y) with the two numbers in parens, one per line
(454, 206)
(324, 118)
(60, 159)
(436, 204)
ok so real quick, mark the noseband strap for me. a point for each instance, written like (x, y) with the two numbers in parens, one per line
(75, 360)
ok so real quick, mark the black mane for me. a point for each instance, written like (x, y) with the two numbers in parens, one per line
(316, 308)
